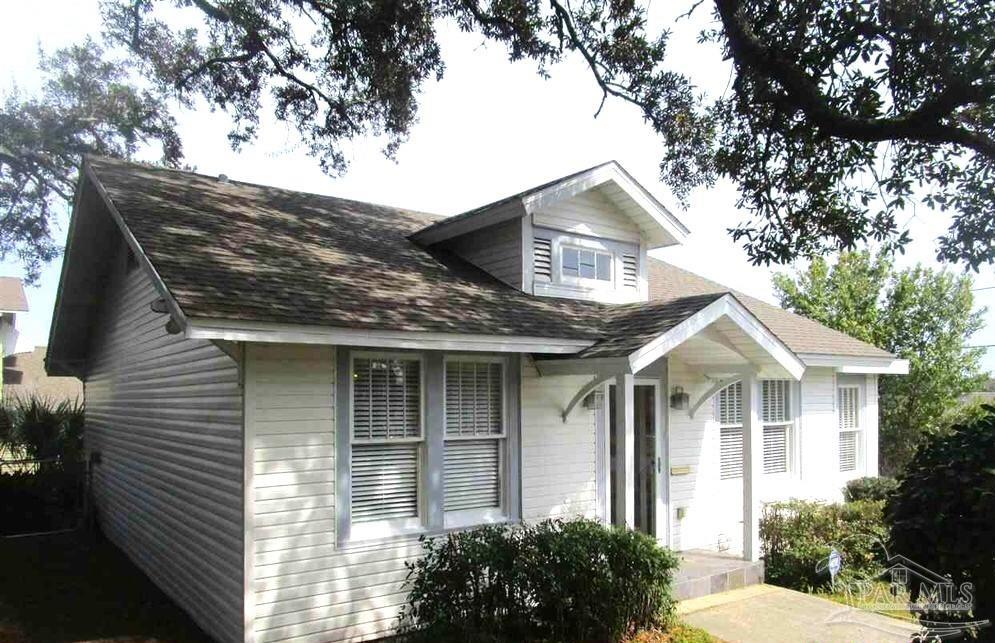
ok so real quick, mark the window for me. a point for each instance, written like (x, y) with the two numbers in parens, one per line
(474, 440)
(386, 440)
(848, 403)
(581, 263)
(776, 420)
(729, 413)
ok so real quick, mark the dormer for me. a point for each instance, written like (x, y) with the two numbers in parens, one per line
(584, 236)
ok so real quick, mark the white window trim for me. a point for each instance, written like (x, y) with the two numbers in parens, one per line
(490, 515)
(790, 429)
(395, 526)
(858, 466)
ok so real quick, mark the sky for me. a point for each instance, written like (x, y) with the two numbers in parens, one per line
(488, 129)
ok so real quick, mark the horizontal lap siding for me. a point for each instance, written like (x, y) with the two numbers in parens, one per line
(590, 213)
(165, 414)
(558, 459)
(306, 589)
(496, 249)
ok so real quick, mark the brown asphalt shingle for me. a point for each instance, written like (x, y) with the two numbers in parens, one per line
(244, 252)
(800, 334)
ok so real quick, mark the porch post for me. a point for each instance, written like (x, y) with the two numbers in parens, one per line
(625, 450)
(752, 466)
(662, 511)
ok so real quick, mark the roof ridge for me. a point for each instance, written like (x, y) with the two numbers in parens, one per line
(230, 181)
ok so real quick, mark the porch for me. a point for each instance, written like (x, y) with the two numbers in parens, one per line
(654, 384)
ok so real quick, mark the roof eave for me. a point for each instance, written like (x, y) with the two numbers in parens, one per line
(867, 364)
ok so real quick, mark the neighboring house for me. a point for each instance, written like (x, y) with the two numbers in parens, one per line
(24, 377)
(285, 390)
(12, 301)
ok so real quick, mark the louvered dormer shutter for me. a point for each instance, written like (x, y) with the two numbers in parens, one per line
(475, 435)
(386, 438)
(630, 271)
(542, 259)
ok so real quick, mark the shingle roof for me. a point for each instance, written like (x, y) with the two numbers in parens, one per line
(629, 327)
(12, 298)
(238, 251)
(800, 334)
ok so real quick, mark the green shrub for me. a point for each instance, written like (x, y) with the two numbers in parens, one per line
(797, 537)
(943, 514)
(552, 581)
(869, 489)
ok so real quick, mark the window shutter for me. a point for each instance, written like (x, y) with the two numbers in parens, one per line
(731, 453)
(542, 259)
(630, 271)
(386, 399)
(384, 481)
(849, 426)
(775, 449)
(474, 398)
(730, 404)
(776, 404)
(472, 477)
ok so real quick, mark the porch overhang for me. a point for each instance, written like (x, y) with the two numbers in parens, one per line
(699, 324)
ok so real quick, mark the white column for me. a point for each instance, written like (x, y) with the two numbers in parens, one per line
(870, 426)
(662, 508)
(625, 450)
(752, 466)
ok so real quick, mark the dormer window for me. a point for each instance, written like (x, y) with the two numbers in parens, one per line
(579, 263)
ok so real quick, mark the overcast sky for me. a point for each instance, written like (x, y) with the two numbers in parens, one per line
(488, 129)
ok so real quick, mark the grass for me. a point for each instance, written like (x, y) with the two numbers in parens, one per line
(870, 598)
(677, 633)
(75, 588)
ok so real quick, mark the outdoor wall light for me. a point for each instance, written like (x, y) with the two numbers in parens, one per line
(679, 399)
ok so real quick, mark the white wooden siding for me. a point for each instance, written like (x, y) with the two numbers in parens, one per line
(589, 213)
(165, 415)
(306, 588)
(558, 459)
(714, 507)
(496, 249)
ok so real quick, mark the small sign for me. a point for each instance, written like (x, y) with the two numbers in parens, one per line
(680, 471)
(835, 563)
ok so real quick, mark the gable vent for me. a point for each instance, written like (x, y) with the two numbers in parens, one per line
(630, 271)
(542, 259)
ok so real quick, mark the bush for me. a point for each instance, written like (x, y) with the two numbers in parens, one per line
(552, 581)
(40, 429)
(797, 537)
(943, 514)
(869, 489)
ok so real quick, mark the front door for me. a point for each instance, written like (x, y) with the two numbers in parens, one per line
(646, 457)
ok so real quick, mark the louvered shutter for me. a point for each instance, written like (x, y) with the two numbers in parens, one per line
(542, 259)
(848, 398)
(729, 405)
(474, 409)
(384, 481)
(776, 417)
(386, 427)
(630, 271)
(730, 452)
(775, 449)
(472, 477)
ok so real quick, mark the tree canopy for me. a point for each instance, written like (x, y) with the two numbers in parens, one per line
(840, 114)
(919, 314)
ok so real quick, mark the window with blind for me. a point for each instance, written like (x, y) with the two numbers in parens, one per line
(777, 422)
(848, 405)
(729, 414)
(475, 435)
(386, 438)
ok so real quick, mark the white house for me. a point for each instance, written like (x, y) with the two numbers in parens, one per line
(285, 390)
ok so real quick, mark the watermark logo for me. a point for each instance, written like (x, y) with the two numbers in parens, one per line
(906, 588)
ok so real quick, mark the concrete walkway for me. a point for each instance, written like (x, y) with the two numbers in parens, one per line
(768, 614)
